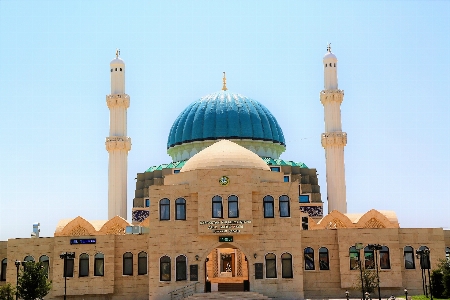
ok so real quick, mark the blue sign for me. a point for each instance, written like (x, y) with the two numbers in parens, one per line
(82, 241)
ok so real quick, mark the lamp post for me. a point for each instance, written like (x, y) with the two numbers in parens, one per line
(359, 246)
(17, 263)
(346, 294)
(406, 294)
(367, 295)
(424, 256)
(65, 256)
(375, 248)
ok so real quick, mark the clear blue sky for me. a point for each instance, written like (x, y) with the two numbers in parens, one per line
(54, 77)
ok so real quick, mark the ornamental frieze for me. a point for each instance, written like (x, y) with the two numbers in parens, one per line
(118, 100)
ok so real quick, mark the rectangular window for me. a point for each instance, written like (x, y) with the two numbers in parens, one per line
(147, 202)
(384, 260)
(3, 271)
(176, 171)
(409, 260)
(275, 169)
(69, 267)
(286, 178)
(354, 260)
(99, 267)
(303, 199)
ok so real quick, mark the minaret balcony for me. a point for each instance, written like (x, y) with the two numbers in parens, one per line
(118, 143)
(118, 100)
(328, 96)
(334, 139)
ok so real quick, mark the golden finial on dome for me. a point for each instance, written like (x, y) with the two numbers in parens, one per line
(224, 88)
(329, 47)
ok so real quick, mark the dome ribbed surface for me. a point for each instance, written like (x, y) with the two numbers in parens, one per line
(225, 154)
(225, 115)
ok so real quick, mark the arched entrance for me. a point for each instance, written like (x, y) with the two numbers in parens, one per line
(226, 269)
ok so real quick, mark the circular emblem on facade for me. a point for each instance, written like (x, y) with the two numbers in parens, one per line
(224, 180)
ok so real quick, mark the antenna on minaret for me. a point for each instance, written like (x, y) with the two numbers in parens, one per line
(117, 53)
(329, 47)
(224, 87)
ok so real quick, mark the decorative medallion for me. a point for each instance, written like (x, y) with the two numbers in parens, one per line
(224, 180)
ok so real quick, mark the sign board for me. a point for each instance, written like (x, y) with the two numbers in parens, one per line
(259, 271)
(82, 241)
(225, 239)
(193, 272)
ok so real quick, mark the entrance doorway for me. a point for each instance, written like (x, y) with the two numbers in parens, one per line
(227, 269)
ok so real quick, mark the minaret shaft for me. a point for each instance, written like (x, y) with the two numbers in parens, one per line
(333, 140)
(117, 144)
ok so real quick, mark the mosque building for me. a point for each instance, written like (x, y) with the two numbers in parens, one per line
(227, 214)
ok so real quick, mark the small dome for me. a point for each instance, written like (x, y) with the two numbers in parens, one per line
(225, 115)
(329, 57)
(117, 61)
(225, 154)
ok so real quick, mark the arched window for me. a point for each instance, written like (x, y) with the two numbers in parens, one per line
(83, 265)
(424, 258)
(99, 264)
(369, 260)
(385, 262)
(447, 253)
(180, 209)
(68, 265)
(164, 209)
(354, 258)
(120, 69)
(286, 265)
(128, 263)
(181, 268)
(28, 258)
(284, 206)
(217, 209)
(45, 263)
(408, 253)
(309, 258)
(164, 268)
(271, 265)
(142, 263)
(268, 206)
(3, 270)
(233, 207)
(335, 65)
(324, 260)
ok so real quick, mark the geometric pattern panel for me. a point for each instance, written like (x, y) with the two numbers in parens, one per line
(312, 211)
(336, 223)
(374, 223)
(140, 215)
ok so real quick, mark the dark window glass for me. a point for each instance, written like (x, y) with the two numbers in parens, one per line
(142, 263)
(99, 264)
(233, 208)
(164, 209)
(408, 253)
(268, 207)
(385, 262)
(181, 268)
(3, 270)
(128, 263)
(69, 267)
(354, 258)
(303, 198)
(180, 207)
(324, 260)
(309, 258)
(120, 69)
(286, 265)
(369, 261)
(83, 265)
(176, 171)
(164, 268)
(217, 209)
(447, 253)
(28, 258)
(305, 223)
(284, 206)
(271, 266)
(147, 202)
(275, 169)
(286, 178)
(45, 263)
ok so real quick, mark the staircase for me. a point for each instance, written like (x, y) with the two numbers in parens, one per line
(231, 287)
(228, 295)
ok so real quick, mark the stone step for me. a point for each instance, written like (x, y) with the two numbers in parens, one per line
(228, 295)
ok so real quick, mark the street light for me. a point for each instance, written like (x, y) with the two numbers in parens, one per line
(65, 256)
(424, 255)
(375, 248)
(406, 294)
(359, 246)
(367, 295)
(17, 263)
(346, 294)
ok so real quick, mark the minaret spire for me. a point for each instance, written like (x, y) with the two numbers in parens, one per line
(333, 140)
(117, 143)
(224, 87)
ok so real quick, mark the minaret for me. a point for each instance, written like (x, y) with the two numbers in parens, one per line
(117, 144)
(333, 140)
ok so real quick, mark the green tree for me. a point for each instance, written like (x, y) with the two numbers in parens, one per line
(7, 292)
(33, 282)
(369, 280)
(440, 279)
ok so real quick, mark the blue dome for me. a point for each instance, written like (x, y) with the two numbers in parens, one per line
(225, 115)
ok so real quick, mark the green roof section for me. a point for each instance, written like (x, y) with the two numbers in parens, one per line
(269, 161)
